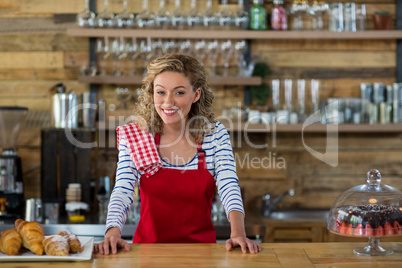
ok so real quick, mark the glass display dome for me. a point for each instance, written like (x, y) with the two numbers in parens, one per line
(370, 210)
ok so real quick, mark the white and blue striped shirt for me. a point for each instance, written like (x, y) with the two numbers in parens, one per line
(220, 163)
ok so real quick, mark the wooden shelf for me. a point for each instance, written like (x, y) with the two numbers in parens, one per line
(235, 34)
(316, 128)
(278, 128)
(137, 80)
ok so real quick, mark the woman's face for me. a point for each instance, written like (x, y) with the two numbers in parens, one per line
(173, 97)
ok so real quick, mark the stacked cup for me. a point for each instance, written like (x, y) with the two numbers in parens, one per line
(73, 192)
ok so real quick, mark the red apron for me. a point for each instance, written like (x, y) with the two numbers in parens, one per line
(176, 205)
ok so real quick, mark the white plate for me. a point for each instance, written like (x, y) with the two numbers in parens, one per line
(87, 243)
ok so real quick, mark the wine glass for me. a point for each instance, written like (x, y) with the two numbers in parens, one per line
(239, 50)
(105, 19)
(185, 47)
(123, 95)
(213, 52)
(209, 18)
(157, 48)
(194, 18)
(226, 49)
(134, 52)
(241, 17)
(86, 18)
(125, 19)
(200, 50)
(114, 54)
(146, 52)
(102, 54)
(162, 17)
(178, 18)
(145, 19)
(225, 17)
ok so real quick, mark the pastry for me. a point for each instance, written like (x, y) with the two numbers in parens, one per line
(369, 220)
(32, 235)
(56, 245)
(10, 242)
(73, 241)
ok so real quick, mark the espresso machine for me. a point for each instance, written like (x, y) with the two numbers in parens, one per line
(11, 183)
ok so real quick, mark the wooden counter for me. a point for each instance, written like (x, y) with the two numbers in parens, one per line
(214, 255)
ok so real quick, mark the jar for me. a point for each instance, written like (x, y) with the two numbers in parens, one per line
(278, 16)
(258, 16)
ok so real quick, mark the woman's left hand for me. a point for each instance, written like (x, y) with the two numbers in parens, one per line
(244, 243)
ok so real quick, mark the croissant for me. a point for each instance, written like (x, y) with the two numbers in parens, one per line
(32, 235)
(10, 242)
(73, 241)
(56, 245)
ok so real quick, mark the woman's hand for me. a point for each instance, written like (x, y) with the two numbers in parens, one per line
(244, 243)
(112, 241)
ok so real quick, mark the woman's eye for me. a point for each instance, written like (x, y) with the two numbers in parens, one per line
(180, 93)
(160, 92)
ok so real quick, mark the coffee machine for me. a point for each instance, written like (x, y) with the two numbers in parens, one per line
(11, 183)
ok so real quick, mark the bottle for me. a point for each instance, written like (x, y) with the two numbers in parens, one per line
(278, 16)
(258, 16)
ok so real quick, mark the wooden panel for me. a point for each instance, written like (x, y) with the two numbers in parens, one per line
(39, 74)
(17, 60)
(36, 89)
(329, 59)
(42, 42)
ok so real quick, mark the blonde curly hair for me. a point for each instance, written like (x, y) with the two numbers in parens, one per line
(201, 115)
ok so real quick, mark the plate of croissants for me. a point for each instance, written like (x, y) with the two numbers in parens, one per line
(27, 242)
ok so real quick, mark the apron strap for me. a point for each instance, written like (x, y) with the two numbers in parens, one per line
(202, 164)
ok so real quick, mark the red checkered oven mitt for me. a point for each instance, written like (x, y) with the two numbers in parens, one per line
(142, 148)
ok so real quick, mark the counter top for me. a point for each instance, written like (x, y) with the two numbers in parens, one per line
(215, 255)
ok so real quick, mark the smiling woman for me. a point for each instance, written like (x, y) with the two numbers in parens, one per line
(179, 155)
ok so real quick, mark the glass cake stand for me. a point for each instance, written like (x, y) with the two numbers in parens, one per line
(372, 210)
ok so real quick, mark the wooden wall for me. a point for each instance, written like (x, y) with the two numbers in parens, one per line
(35, 59)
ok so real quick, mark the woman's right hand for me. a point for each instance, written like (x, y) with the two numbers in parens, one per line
(112, 241)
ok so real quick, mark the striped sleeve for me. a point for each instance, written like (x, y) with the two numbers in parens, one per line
(123, 192)
(225, 171)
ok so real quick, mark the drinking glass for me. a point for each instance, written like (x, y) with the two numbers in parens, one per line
(178, 18)
(213, 52)
(123, 95)
(239, 50)
(194, 18)
(125, 19)
(361, 23)
(105, 19)
(162, 17)
(114, 54)
(200, 50)
(301, 93)
(86, 18)
(157, 48)
(335, 23)
(102, 54)
(145, 19)
(350, 17)
(226, 49)
(169, 46)
(275, 95)
(315, 97)
(241, 17)
(146, 52)
(134, 52)
(185, 47)
(124, 57)
(209, 17)
(288, 95)
(225, 17)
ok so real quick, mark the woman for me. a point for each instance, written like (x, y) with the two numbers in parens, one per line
(189, 155)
